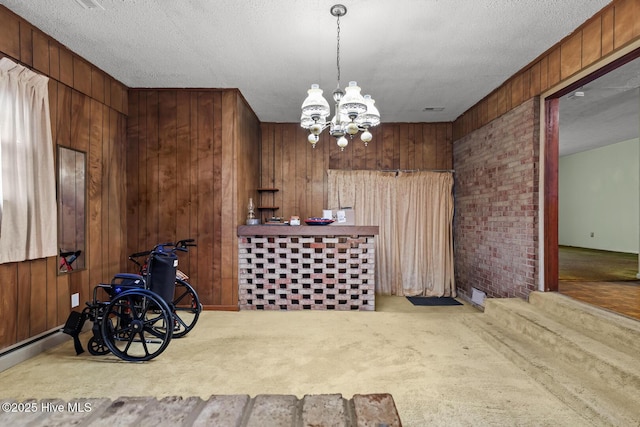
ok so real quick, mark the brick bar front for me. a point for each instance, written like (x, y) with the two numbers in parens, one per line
(285, 267)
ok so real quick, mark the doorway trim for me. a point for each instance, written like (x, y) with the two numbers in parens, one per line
(549, 158)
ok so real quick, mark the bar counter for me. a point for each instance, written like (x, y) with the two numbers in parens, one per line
(330, 267)
(308, 230)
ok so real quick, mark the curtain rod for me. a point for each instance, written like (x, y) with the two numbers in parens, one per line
(417, 170)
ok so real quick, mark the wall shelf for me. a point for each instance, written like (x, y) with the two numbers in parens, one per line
(266, 207)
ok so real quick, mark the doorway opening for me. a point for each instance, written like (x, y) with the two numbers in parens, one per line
(590, 184)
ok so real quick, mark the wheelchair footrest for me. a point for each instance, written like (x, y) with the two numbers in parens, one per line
(73, 326)
(74, 323)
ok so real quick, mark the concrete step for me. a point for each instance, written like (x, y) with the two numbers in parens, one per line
(553, 375)
(610, 328)
(604, 363)
(596, 379)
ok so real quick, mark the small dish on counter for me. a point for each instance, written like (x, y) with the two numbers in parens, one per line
(318, 221)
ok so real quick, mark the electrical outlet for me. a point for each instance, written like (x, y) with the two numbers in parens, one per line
(592, 234)
(75, 300)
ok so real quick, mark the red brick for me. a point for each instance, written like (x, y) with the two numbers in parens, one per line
(496, 205)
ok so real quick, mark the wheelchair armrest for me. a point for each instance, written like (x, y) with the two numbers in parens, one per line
(107, 288)
(124, 281)
(129, 277)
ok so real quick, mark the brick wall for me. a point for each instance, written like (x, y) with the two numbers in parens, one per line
(496, 205)
(307, 272)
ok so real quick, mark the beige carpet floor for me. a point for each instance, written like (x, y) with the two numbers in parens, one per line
(437, 370)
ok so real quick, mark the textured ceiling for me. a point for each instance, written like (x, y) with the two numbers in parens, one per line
(607, 112)
(408, 54)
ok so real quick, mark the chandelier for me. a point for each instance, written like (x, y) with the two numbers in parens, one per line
(353, 112)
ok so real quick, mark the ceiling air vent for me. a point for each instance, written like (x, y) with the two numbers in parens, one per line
(90, 4)
(433, 109)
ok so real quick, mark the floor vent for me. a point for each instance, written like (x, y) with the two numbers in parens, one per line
(477, 297)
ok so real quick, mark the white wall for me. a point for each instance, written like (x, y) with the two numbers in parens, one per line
(598, 193)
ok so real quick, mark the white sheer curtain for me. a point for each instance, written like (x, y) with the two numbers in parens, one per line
(28, 214)
(414, 250)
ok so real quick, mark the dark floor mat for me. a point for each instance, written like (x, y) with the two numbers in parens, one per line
(433, 301)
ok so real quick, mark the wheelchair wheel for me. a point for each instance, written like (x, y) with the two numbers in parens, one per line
(186, 308)
(137, 325)
(97, 347)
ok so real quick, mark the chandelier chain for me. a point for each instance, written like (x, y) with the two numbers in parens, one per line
(338, 50)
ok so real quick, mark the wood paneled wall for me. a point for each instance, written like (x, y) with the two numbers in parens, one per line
(192, 161)
(209, 184)
(615, 27)
(88, 113)
(298, 171)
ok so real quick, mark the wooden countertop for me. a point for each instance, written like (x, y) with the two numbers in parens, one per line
(307, 230)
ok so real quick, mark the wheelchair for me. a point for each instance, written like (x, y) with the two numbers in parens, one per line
(138, 318)
(186, 304)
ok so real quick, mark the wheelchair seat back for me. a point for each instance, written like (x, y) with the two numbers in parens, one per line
(162, 275)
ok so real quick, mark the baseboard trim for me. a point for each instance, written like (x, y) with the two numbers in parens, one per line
(220, 307)
(27, 349)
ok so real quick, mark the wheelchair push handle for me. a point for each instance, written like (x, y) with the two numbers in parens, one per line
(139, 254)
(181, 245)
(134, 257)
(185, 243)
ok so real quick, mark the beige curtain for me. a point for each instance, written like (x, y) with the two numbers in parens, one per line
(425, 205)
(372, 195)
(414, 250)
(28, 214)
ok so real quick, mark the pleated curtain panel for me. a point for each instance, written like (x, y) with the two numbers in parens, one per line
(28, 214)
(414, 210)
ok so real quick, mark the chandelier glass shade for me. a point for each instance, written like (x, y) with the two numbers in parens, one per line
(353, 112)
